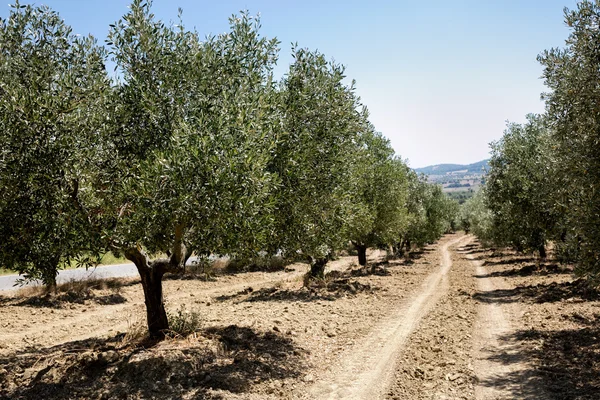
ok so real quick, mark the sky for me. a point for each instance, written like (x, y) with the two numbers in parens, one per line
(440, 78)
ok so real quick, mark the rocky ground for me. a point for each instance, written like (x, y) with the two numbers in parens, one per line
(457, 322)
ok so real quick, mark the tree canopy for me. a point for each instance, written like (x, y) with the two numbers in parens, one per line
(194, 147)
(52, 84)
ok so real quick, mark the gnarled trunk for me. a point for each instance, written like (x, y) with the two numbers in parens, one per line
(362, 254)
(49, 273)
(408, 245)
(156, 314)
(151, 274)
(317, 268)
(542, 250)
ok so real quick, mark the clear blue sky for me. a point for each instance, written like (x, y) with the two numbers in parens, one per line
(439, 77)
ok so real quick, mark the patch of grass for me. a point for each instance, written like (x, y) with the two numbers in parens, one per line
(110, 259)
(184, 322)
(137, 331)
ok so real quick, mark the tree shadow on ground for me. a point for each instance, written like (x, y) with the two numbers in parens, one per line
(378, 268)
(507, 261)
(523, 381)
(72, 292)
(564, 364)
(213, 273)
(469, 247)
(472, 248)
(232, 359)
(316, 291)
(59, 301)
(541, 293)
(417, 254)
(528, 269)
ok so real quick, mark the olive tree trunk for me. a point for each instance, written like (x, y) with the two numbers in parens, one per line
(49, 273)
(362, 254)
(542, 250)
(151, 274)
(317, 268)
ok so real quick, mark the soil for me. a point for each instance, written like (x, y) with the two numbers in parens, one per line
(456, 322)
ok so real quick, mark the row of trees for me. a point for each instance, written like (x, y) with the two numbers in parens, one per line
(544, 178)
(194, 148)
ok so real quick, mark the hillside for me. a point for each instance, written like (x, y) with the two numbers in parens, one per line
(443, 169)
(458, 181)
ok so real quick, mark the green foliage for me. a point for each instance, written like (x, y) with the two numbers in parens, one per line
(51, 86)
(431, 212)
(572, 75)
(193, 124)
(475, 217)
(313, 157)
(379, 195)
(462, 196)
(519, 188)
(184, 322)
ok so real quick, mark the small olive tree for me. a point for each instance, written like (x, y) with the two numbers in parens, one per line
(430, 213)
(476, 218)
(519, 187)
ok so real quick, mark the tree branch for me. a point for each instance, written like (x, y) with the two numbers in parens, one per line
(139, 257)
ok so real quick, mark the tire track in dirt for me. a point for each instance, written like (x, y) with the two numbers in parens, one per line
(368, 369)
(496, 360)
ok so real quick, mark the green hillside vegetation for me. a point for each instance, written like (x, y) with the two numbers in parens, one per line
(442, 169)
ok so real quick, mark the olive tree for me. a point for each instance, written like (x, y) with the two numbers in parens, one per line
(476, 218)
(379, 196)
(519, 187)
(572, 75)
(430, 213)
(52, 85)
(184, 165)
(320, 128)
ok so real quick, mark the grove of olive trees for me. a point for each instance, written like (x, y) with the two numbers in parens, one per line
(544, 180)
(194, 147)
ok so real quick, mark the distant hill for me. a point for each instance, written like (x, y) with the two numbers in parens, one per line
(444, 169)
(458, 181)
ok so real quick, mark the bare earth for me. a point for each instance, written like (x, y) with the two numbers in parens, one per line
(458, 322)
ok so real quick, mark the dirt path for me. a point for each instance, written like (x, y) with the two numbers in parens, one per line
(366, 371)
(496, 359)
(457, 322)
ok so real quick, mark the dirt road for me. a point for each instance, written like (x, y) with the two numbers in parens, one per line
(365, 372)
(457, 322)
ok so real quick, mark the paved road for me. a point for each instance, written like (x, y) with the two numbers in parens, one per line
(7, 282)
